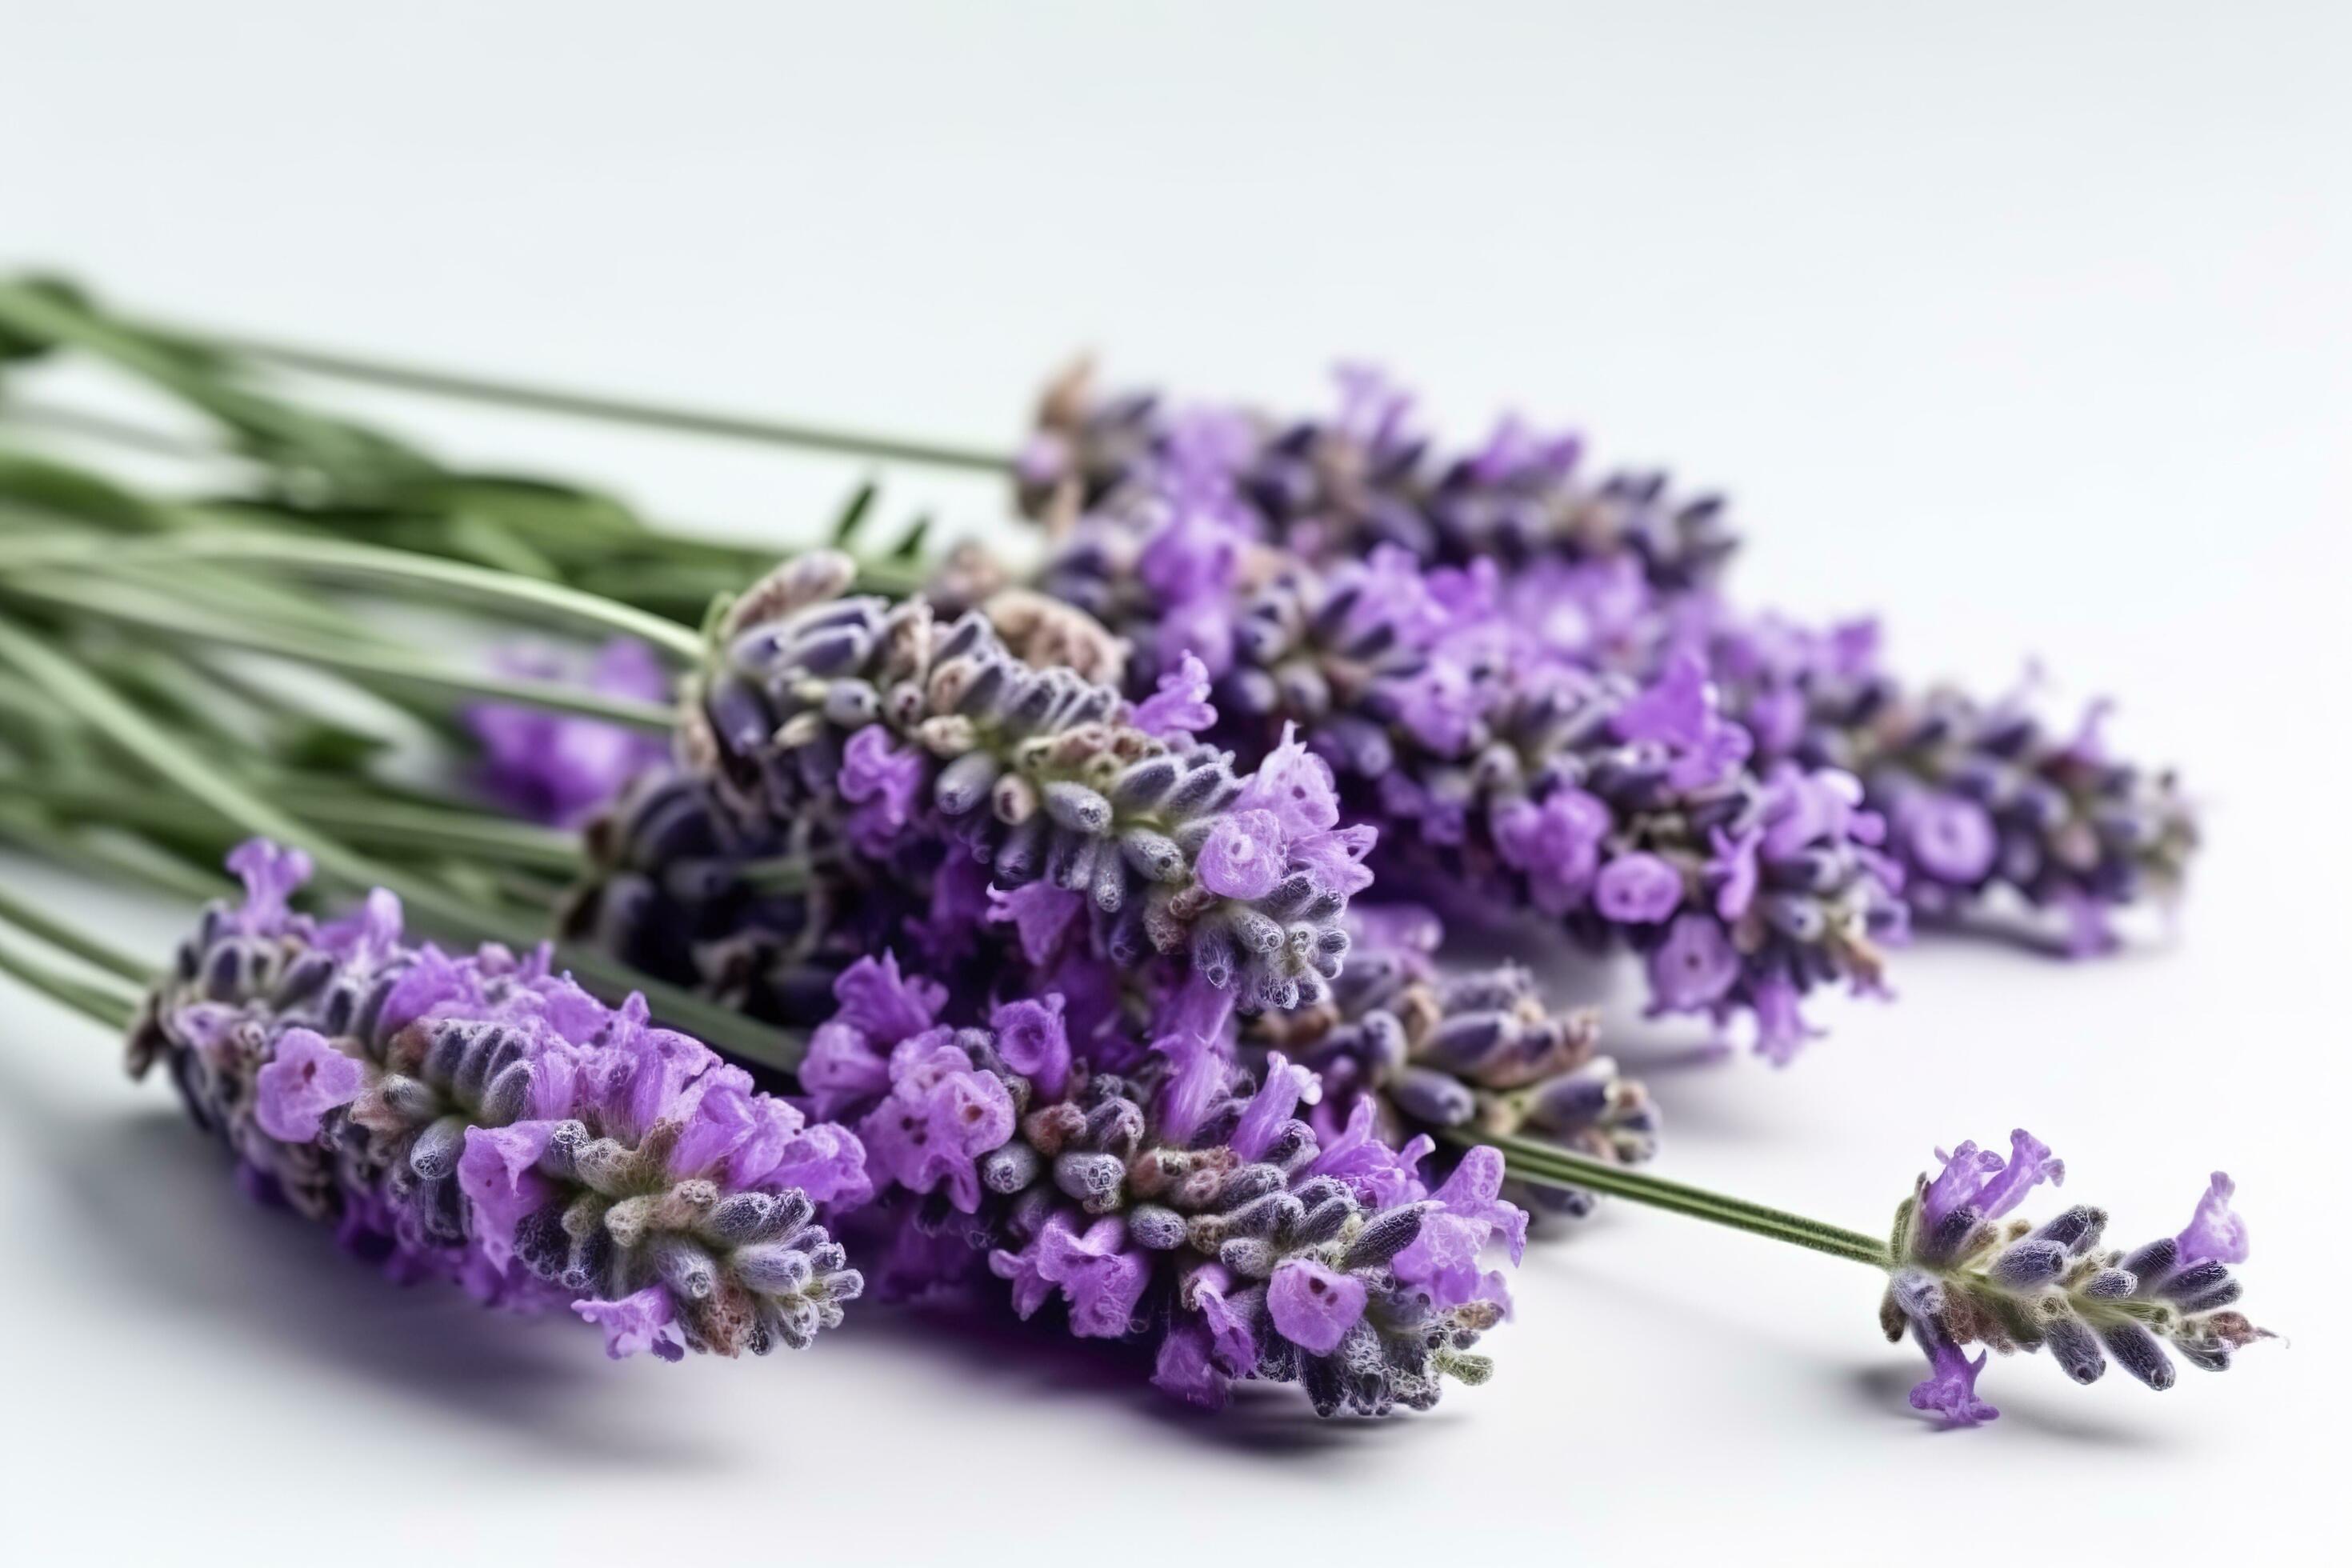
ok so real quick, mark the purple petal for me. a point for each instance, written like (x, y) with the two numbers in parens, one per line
(305, 1079)
(1314, 1307)
(2214, 1233)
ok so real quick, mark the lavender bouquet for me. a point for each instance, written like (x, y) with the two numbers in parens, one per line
(1043, 894)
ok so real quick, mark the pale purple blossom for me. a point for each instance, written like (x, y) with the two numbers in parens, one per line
(561, 768)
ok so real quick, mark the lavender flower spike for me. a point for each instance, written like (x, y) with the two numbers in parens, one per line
(1979, 798)
(1431, 1051)
(1504, 775)
(927, 742)
(1185, 1206)
(560, 768)
(1964, 1274)
(482, 1120)
(1337, 487)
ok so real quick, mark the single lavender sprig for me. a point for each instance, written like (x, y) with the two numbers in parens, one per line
(1502, 773)
(1963, 1275)
(1979, 797)
(1436, 1051)
(482, 1120)
(1184, 1205)
(1337, 486)
(561, 768)
(926, 743)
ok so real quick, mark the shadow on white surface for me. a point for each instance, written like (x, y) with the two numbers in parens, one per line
(1885, 1391)
(155, 1199)
(993, 1353)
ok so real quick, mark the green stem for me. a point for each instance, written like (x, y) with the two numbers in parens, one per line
(35, 920)
(1548, 1165)
(84, 425)
(128, 860)
(363, 818)
(101, 1003)
(612, 409)
(1536, 1151)
(518, 846)
(368, 665)
(543, 601)
(139, 736)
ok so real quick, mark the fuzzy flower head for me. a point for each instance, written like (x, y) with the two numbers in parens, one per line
(1987, 806)
(480, 1118)
(936, 743)
(1964, 1274)
(561, 768)
(1336, 487)
(1496, 771)
(1210, 1224)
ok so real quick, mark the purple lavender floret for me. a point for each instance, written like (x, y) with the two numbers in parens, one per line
(1965, 1275)
(1184, 1206)
(1435, 1051)
(1338, 487)
(1503, 773)
(561, 768)
(1979, 798)
(927, 744)
(482, 1120)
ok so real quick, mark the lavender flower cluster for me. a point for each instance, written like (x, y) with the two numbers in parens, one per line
(1150, 1059)
(1979, 797)
(1399, 604)
(1965, 1275)
(1501, 769)
(1076, 1085)
(1184, 1202)
(911, 870)
(482, 1120)
(927, 741)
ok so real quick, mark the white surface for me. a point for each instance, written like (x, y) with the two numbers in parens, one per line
(2029, 325)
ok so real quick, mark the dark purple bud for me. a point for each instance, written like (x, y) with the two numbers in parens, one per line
(1383, 1236)
(2077, 1230)
(2138, 1352)
(2152, 1264)
(964, 783)
(2076, 1350)
(2030, 1263)
(1434, 1097)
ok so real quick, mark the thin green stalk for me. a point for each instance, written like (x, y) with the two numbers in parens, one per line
(367, 666)
(1536, 1151)
(34, 920)
(505, 843)
(103, 1003)
(99, 514)
(89, 425)
(131, 860)
(141, 738)
(365, 820)
(542, 600)
(608, 408)
(1548, 1165)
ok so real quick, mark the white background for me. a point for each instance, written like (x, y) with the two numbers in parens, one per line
(2028, 325)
